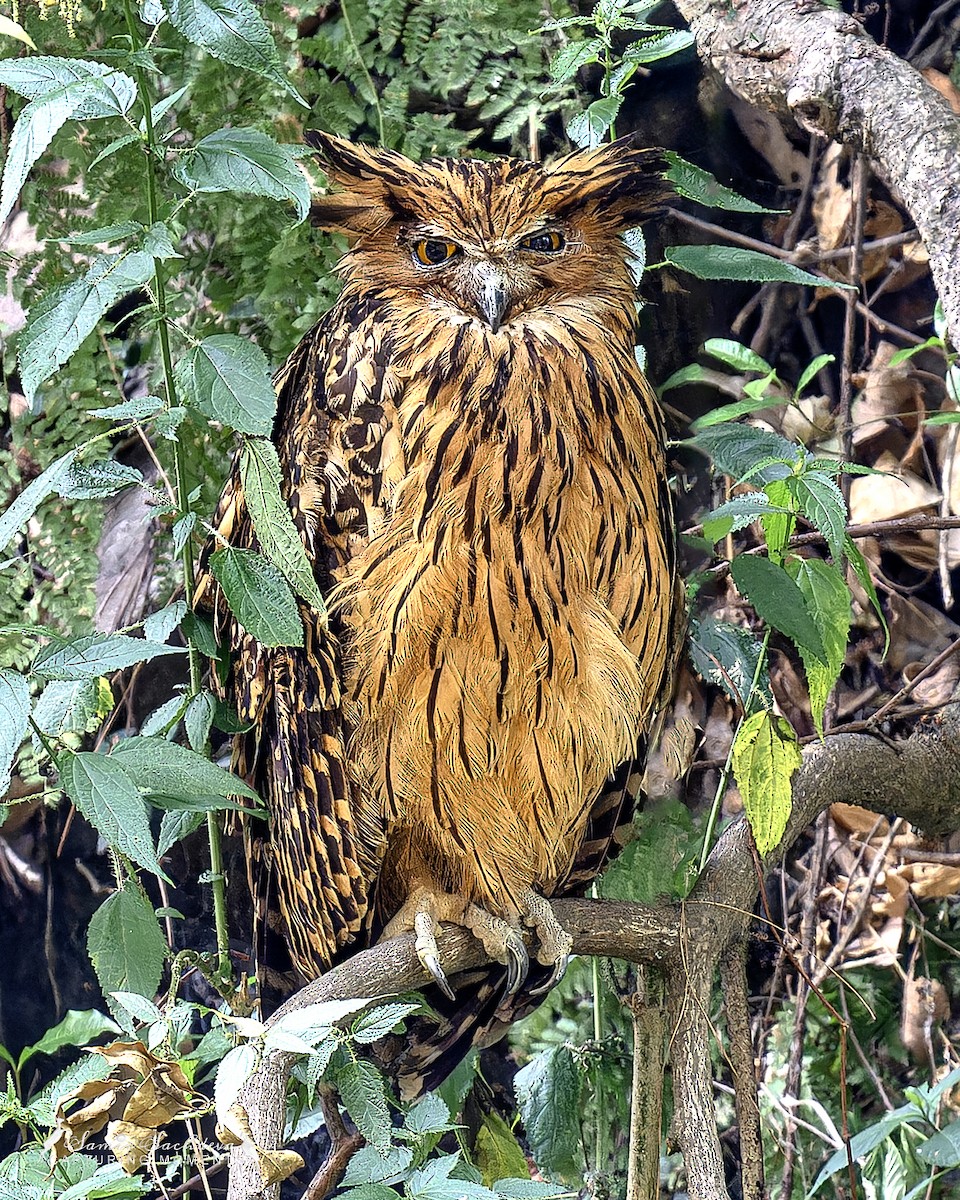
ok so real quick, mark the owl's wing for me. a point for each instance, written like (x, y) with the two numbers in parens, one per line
(337, 445)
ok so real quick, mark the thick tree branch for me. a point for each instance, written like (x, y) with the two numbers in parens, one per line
(818, 67)
(918, 778)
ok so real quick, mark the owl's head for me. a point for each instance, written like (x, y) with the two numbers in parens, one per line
(494, 239)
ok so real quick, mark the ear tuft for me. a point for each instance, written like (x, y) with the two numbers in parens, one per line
(366, 178)
(618, 184)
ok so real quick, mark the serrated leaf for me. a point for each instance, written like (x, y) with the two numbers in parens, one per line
(828, 602)
(58, 89)
(734, 262)
(316, 1021)
(428, 1115)
(259, 596)
(139, 1007)
(528, 1189)
(737, 514)
(72, 706)
(158, 626)
(548, 1093)
(272, 522)
(764, 757)
(135, 409)
(778, 527)
(14, 720)
(59, 322)
(125, 944)
(737, 449)
(234, 1070)
(227, 378)
(663, 45)
(110, 799)
(33, 495)
(778, 601)
(379, 1021)
(369, 1166)
(175, 826)
(693, 373)
(248, 162)
(97, 480)
(96, 654)
(198, 719)
(497, 1153)
(78, 1028)
(731, 412)
(233, 31)
(182, 530)
(697, 184)
(163, 719)
(363, 1093)
(820, 500)
(726, 655)
(588, 129)
(170, 770)
(574, 55)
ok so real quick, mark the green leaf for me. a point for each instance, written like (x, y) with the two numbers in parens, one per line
(58, 89)
(778, 601)
(697, 184)
(429, 1115)
(96, 654)
(765, 756)
(364, 1096)
(14, 720)
(128, 139)
(828, 602)
(733, 262)
(589, 128)
(528, 1189)
(97, 480)
(166, 769)
(737, 514)
(652, 49)
(248, 162)
(862, 571)
(866, 1140)
(125, 944)
(737, 449)
(497, 1153)
(811, 370)
(43, 1106)
(272, 521)
(198, 719)
(778, 527)
(820, 500)
(175, 826)
(233, 31)
(58, 323)
(228, 379)
(574, 55)
(110, 799)
(316, 1021)
(135, 409)
(10, 28)
(736, 355)
(548, 1092)
(158, 626)
(378, 1022)
(234, 1070)
(693, 373)
(78, 1028)
(435, 1181)
(369, 1166)
(33, 495)
(73, 706)
(726, 655)
(259, 596)
(732, 412)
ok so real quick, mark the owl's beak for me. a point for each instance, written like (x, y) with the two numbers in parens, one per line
(493, 293)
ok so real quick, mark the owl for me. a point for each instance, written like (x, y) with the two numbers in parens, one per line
(475, 464)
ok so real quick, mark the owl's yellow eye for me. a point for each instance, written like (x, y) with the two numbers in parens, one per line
(431, 252)
(548, 242)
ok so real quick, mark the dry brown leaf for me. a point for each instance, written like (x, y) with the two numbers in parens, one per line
(936, 689)
(233, 1129)
(925, 1002)
(933, 881)
(918, 631)
(944, 86)
(106, 1099)
(131, 1144)
(859, 821)
(888, 397)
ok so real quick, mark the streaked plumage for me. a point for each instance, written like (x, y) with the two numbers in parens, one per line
(475, 463)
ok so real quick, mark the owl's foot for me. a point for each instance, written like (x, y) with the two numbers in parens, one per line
(555, 942)
(423, 912)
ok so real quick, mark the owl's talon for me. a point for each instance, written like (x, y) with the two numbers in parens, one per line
(518, 964)
(432, 964)
(558, 972)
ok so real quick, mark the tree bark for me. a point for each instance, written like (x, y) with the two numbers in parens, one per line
(817, 67)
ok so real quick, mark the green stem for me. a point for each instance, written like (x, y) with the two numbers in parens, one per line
(179, 459)
(351, 36)
(725, 773)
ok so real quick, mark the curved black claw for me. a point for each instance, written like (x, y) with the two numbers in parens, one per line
(432, 963)
(558, 972)
(518, 964)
